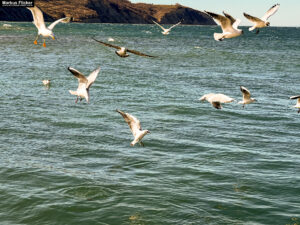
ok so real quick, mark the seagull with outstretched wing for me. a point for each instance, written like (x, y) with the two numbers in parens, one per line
(216, 99)
(84, 83)
(135, 127)
(166, 31)
(122, 51)
(228, 24)
(246, 96)
(38, 20)
(262, 22)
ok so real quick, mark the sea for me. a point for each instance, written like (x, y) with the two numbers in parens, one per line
(67, 163)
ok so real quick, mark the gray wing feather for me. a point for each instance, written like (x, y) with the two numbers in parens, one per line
(139, 53)
(107, 44)
(79, 75)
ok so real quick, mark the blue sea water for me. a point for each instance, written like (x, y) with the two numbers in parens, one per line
(67, 163)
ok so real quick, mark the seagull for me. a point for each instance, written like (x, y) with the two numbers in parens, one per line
(135, 127)
(46, 83)
(84, 83)
(298, 102)
(166, 31)
(216, 99)
(262, 22)
(38, 21)
(246, 96)
(122, 51)
(228, 24)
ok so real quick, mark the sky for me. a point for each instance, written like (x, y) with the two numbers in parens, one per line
(287, 15)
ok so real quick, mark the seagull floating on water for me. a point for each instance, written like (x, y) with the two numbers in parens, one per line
(216, 99)
(228, 24)
(135, 127)
(246, 97)
(298, 102)
(84, 83)
(166, 31)
(38, 20)
(122, 51)
(46, 82)
(262, 22)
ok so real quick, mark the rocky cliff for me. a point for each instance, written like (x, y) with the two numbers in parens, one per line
(109, 11)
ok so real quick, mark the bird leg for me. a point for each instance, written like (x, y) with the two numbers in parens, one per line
(44, 44)
(243, 106)
(76, 100)
(257, 31)
(142, 144)
(299, 110)
(35, 41)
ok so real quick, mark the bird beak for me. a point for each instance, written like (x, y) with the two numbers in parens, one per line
(53, 37)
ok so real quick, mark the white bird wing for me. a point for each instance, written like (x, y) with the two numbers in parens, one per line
(134, 123)
(38, 18)
(62, 20)
(81, 78)
(221, 98)
(223, 21)
(270, 12)
(174, 25)
(245, 92)
(92, 77)
(159, 25)
(236, 24)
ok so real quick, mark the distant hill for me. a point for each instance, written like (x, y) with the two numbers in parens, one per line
(109, 11)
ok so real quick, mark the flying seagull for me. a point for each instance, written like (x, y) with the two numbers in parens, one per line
(122, 51)
(38, 21)
(216, 99)
(262, 22)
(246, 97)
(135, 127)
(84, 83)
(298, 102)
(166, 31)
(228, 24)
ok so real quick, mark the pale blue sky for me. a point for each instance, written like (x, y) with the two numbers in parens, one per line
(287, 15)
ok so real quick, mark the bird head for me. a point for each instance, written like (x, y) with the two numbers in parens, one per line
(147, 132)
(268, 23)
